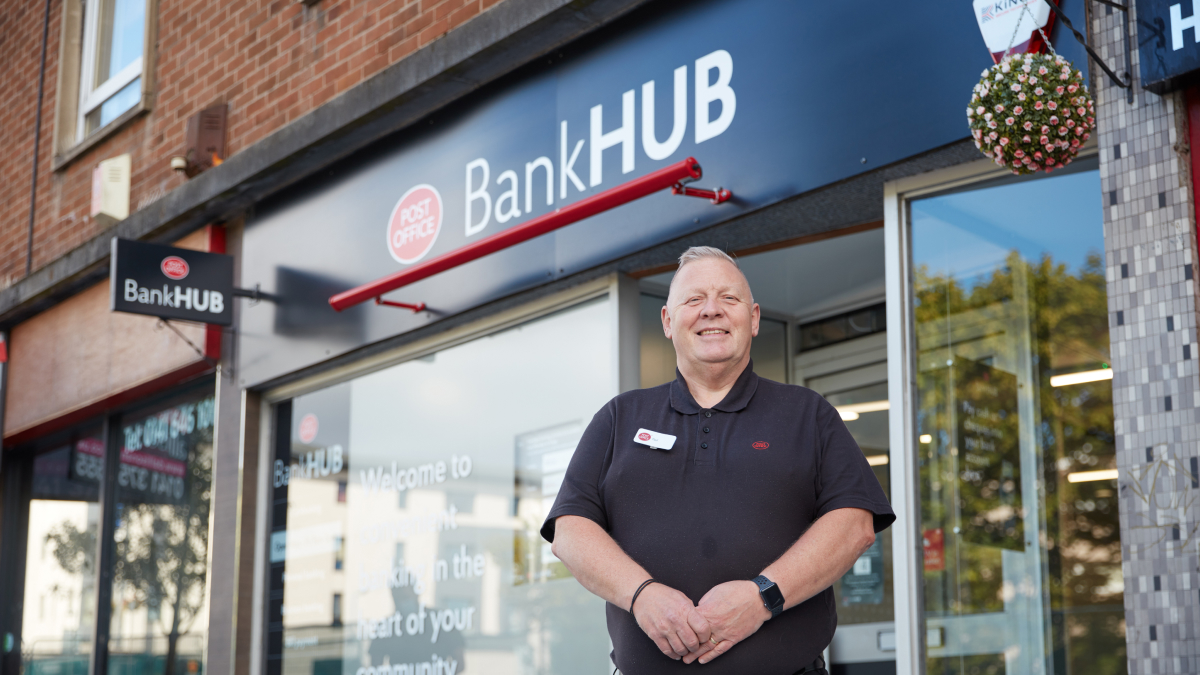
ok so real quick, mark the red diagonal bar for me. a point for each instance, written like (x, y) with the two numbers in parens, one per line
(686, 170)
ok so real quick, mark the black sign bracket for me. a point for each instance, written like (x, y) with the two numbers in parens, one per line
(256, 295)
(1126, 82)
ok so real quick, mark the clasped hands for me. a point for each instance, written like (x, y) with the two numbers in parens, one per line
(726, 615)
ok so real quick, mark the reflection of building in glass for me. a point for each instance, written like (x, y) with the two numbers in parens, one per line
(541, 463)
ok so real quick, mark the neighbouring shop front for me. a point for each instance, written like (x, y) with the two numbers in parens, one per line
(413, 454)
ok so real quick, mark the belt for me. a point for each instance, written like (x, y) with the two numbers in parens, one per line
(816, 668)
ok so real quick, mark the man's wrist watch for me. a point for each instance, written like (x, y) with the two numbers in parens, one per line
(772, 597)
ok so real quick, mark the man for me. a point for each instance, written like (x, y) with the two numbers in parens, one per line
(715, 512)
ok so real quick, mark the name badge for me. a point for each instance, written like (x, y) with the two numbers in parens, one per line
(654, 439)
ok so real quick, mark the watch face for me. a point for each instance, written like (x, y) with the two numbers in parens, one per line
(772, 597)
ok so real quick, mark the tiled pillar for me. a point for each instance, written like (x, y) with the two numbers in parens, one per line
(1150, 248)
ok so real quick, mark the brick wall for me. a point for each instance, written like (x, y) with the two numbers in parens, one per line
(271, 61)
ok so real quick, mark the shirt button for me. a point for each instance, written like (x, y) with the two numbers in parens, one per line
(704, 445)
(708, 413)
(706, 430)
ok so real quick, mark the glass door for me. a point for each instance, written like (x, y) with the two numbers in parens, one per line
(1013, 418)
(852, 375)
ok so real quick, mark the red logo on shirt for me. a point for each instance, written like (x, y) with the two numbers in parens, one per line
(643, 436)
(761, 445)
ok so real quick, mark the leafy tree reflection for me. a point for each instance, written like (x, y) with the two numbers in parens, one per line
(161, 552)
(1067, 324)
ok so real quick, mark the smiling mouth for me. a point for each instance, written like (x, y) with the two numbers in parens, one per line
(714, 331)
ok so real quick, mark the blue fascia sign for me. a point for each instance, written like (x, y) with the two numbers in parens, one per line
(773, 98)
(1168, 43)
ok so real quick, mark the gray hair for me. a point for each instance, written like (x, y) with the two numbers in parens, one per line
(695, 253)
(701, 252)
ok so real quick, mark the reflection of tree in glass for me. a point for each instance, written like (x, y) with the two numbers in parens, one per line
(1068, 322)
(161, 551)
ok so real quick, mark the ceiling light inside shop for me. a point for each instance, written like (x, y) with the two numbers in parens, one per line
(1088, 476)
(926, 438)
(851, 411)
(1080, 378)
(877, 460)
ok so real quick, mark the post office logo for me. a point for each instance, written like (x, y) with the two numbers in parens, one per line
(415, 223)
(761, 445)
(174, 267)
(643, 436)
(308, 428)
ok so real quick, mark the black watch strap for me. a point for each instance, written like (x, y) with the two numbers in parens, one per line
(772, 597)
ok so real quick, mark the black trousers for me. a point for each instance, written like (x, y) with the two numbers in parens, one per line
(815, 668)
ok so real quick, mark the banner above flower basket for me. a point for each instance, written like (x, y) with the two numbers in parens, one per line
(1013, 26)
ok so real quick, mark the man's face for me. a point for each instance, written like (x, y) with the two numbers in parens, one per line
(710, 316)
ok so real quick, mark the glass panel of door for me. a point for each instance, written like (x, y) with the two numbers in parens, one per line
(1014, 417)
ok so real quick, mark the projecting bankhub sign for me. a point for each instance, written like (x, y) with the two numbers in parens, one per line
(171, 283)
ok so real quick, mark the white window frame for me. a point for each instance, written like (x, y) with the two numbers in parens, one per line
(89, 99)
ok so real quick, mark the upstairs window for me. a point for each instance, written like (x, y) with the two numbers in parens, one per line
(114, 34)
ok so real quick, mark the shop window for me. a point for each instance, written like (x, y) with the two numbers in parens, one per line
(1022, 553)
(476, 438)
(60, 573)
(158, 550)
(106, 71)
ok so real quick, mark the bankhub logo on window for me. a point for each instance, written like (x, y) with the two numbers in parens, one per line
(415, 223)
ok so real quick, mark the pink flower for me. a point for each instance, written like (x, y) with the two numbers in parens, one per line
(1075, 143)
(1062, 131)
(1049, 161)
(1091, 121)
(1054, 119)
(1058, 90)
(1027, 68)
(1032, 80)
(1044, 140)
(1041, 71)
(1018, 110)
(1026, 139)
(999, 108)
(1072, 88)
(1064, 77)
(1037, 156)
(1085, 136)
(1045, 129)
(1004, 140)
(978, 145)
(993, 135)
(1022, 78)
(1052, 105)
(1070, 124)
(1021, 96)
(1009, 121)
(992, 124)
(1079, 131)
(1037, 105)
(1028, 126)
(1019, 153)
(1015, 87)
(1039, 91)
(1081, 111)
(976, 133)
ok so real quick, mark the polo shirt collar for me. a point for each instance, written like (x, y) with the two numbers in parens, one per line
(737, 398)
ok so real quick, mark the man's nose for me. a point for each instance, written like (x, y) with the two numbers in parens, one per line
(711, 308)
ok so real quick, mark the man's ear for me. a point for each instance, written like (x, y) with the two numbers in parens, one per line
(755, 315)
(666, 322)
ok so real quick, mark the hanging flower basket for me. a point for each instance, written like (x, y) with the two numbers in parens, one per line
(1031, 112)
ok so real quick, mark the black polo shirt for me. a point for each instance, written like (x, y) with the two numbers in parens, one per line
(742, 482)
